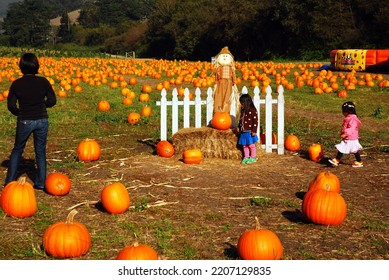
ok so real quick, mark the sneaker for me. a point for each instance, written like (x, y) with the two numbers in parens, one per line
(251, 160)
(245, 160)
(357, 164)
(334, 161)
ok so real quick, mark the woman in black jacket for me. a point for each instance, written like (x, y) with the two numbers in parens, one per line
(28, 98)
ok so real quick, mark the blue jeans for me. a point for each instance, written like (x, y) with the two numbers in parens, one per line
(24, 128)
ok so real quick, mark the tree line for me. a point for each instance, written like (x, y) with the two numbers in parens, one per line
(198, 29)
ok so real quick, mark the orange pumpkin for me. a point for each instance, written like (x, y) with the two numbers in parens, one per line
(193, 156)
(164, 149)
(88, 150)
(262, 137)
(127, 101)
(67, 239)
(57, 184)
(342, 93)
(315, 152)
(221, 121)
(259, 244)
(292, 143)
(115, 198)
(78, 88)
(324, 207)
(132, 81)
(147, 89)
(133, 118)
(146, 111)
(325, 180)
(103, 105)
(61, 93)
(144, 97)
(137, 251)
(17, 199)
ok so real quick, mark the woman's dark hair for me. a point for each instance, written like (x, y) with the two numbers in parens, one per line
(349, 108)
(247, 101)
(29, 64)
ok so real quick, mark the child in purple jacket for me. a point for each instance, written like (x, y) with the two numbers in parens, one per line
(349, 136)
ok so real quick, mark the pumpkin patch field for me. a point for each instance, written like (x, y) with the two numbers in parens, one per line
(135, 196)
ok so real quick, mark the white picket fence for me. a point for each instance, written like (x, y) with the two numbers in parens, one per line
(198, 103)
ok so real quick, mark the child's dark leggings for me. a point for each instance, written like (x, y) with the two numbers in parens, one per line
(357, 156)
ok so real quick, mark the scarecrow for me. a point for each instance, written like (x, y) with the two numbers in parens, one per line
(225, 89)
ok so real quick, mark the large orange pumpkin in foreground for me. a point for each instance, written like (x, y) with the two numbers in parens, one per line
(137, 251)
(164, 149)
(67, 239)
(221, 121)
(259, 244)
(292, 143)
(325, 180)
(17, 199)
(324, 207)
(193, 156)
(57, 184)
(88, 150)
(315, 152)
(115, 198)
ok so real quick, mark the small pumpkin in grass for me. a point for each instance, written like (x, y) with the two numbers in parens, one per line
(164, 149)
(221, 121)
(193, 156)
(88, 150)
(17, 199)
(146, 111)
(259, 244)
(292, 143)
(57, 184)
(325, 180)
(144, 97)
(315, 152)
(262, 137)
(127, 101)
(68, 239)
(342, 93)
(132, 81)
(324, 207)
(133, 118)
(137, 251)
(147, 89)
(103, 105)
(115, 198)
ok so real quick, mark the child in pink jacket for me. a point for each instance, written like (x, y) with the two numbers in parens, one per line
(349, 136)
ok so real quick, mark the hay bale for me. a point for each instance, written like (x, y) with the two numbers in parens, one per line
(213, 143)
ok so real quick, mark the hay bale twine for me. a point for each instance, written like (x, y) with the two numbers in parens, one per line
(213, 143)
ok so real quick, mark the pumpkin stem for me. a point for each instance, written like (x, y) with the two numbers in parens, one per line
(135, 244)
(70, 217)
(257, 224)
(22, 180)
